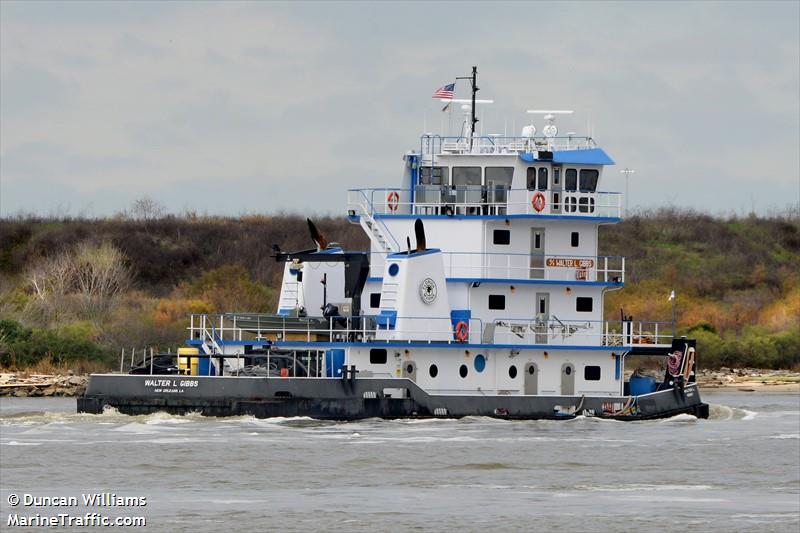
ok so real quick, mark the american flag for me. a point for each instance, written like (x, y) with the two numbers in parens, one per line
(445, 92)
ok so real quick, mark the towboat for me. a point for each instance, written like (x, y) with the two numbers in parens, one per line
(481, 294)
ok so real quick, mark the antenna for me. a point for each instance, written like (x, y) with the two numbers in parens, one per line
(550, 130)
(474, 84)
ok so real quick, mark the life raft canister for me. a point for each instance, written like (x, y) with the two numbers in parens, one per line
(462, 331)
(538, 201)
(393, 200)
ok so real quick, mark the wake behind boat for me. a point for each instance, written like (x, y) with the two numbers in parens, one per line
(482, 294)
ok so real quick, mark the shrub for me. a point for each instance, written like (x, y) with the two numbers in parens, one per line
(22, 347)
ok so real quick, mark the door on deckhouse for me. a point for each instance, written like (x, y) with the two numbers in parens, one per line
(542, 316)
(537, 253)
(555, 193)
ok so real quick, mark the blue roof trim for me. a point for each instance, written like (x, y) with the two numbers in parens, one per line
(452, 345)
(501, 217)
(591, 156)
(576, 283)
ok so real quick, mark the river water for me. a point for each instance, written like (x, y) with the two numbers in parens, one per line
(738, 471)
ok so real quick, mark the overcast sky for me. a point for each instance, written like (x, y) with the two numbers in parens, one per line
(231, 108)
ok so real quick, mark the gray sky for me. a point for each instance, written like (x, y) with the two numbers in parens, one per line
(231, 108)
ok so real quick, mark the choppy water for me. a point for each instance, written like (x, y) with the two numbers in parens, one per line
(739, 471)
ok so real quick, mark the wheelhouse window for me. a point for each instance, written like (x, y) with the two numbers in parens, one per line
(530, 179)
(588, 179)
(542, 182)
(434, 175)
(501, 236)
(497, 301)
(571, 179)
(583, 304)
(498, 181)
(466, 176)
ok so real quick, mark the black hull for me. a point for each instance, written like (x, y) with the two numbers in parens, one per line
(341, 399)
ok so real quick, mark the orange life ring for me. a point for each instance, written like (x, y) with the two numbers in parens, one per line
(393, 200)
(462, 331)
(538, 201)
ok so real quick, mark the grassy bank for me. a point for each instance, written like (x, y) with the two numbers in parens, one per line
(73, 291)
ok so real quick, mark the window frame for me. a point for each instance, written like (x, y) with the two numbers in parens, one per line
(582, 300)
(496, 297)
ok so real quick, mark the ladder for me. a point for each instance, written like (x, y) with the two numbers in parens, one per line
(377, 231)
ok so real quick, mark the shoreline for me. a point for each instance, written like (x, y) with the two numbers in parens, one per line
(25, 385)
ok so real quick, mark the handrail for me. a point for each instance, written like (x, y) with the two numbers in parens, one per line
(501, 143)
(505, 331)
(485, 200)
(561, 267)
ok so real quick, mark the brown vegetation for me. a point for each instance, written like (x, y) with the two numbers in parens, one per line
(132, 281)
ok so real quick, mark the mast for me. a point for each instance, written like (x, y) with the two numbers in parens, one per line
(474, 83)
(474, 92)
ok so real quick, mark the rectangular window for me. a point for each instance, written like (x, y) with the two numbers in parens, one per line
(375, 299)
(583, 304)
(575, 238)
(377, 356)
(530, 179)
(588, 180)
(542, 183)
(498, 182)
(466, 176)
(591, 373)
(500, 176)
(571, 179)
(497, 301)
(434, 176)
(502, 236)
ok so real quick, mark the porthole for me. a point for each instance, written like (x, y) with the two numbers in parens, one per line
(480, 363)
(531, 370)
(394, 268)
(568, 370)
(433, 371)
(512, 371)
(463, 370)
(410, 369)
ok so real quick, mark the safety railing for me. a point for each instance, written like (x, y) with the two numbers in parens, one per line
(443, 330)
(510, 266)
(478, 200)
(500, 144)
(244, 327)
(553, 331)
(609, 269)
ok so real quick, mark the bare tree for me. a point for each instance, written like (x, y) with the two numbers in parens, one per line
(146, 208)
(90, 276)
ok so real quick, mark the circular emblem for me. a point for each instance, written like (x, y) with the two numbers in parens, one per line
(427, 290)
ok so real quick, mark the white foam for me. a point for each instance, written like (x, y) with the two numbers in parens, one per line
(683, 417)
(785, 436)
(641, 487)
(15, 443)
